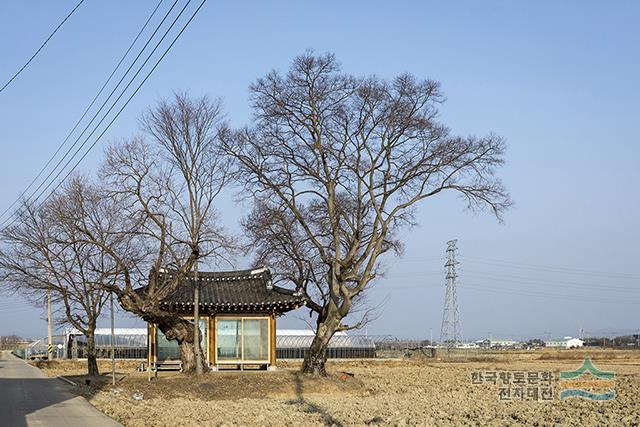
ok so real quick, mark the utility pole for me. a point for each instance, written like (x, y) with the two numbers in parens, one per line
(431, 337)
(50, 343)
(450, 333)
(113, 343)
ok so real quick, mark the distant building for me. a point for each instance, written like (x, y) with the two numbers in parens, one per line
(468, 345)
(484, 343)
(496, 343)
(502, 343)
(566, 342)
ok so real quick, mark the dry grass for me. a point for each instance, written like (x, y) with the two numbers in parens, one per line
(55, 368)
(593, 354)
(409, 392)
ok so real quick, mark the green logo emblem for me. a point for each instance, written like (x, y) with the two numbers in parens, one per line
(587, 382)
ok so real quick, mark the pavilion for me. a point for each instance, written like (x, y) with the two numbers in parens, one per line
(238, 311)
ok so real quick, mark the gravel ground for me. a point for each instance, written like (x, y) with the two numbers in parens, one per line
(398, 393)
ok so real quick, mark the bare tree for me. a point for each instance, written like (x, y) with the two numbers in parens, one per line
(159, 214)
(336, 166)
(43, 254)
(9, 341)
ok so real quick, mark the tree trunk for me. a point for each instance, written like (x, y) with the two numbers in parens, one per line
(92, 362)
(182, 331)
(196, 321)
(316, 357)
(173, 327)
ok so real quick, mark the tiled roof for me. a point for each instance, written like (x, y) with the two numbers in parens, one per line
(234, 291)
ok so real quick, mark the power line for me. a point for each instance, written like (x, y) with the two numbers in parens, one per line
(130, 97)
(508, 278)
(113, 91)
(83, 114)
(538, 267)
(415, 273)
(581, 298)
(115, 102)
(526, 266)
(104, 103)
(19, 309)
(82, 145)
(521, 292)
(482, 275)
(41, 46)
(548, 282)
(512, 291)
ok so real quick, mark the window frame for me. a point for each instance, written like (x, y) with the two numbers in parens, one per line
(242, 360)
(204, 343)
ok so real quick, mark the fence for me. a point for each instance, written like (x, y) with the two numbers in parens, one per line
(127, 346)
(388, 346)
(340, 347)
(131, 344)
(38, 349)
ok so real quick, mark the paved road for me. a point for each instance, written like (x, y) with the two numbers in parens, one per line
(29, 398)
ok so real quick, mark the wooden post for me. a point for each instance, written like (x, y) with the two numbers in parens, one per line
(212, 340)
(149, 351)
(151, 338)
(272, 339)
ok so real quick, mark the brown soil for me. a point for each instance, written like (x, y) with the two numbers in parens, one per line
(414, 392)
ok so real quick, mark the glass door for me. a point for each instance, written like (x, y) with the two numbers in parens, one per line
(166, 349)
(255, 340)
(242, 340)
(229, 339)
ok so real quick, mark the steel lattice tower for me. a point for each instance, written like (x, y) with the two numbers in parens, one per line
(450, 334)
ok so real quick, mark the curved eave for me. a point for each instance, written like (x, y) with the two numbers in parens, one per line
(277, 307)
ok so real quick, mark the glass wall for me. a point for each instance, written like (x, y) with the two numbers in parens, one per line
(170, 350)
(242, 339)
(229, 339)
(166, 349)
(256, 339)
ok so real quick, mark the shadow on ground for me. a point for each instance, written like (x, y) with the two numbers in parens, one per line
(310, 407)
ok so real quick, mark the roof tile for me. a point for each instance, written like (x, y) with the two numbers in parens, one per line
(242, 290)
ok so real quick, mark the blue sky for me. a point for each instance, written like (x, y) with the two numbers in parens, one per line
(559, 80)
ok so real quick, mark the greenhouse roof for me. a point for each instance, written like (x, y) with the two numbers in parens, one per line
(107, 331)
(337, 341)
(301, 332)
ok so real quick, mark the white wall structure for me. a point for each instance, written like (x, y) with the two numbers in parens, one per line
(566, 342)
(574, 343)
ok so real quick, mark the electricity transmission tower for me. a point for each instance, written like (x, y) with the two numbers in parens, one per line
(450, 334)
